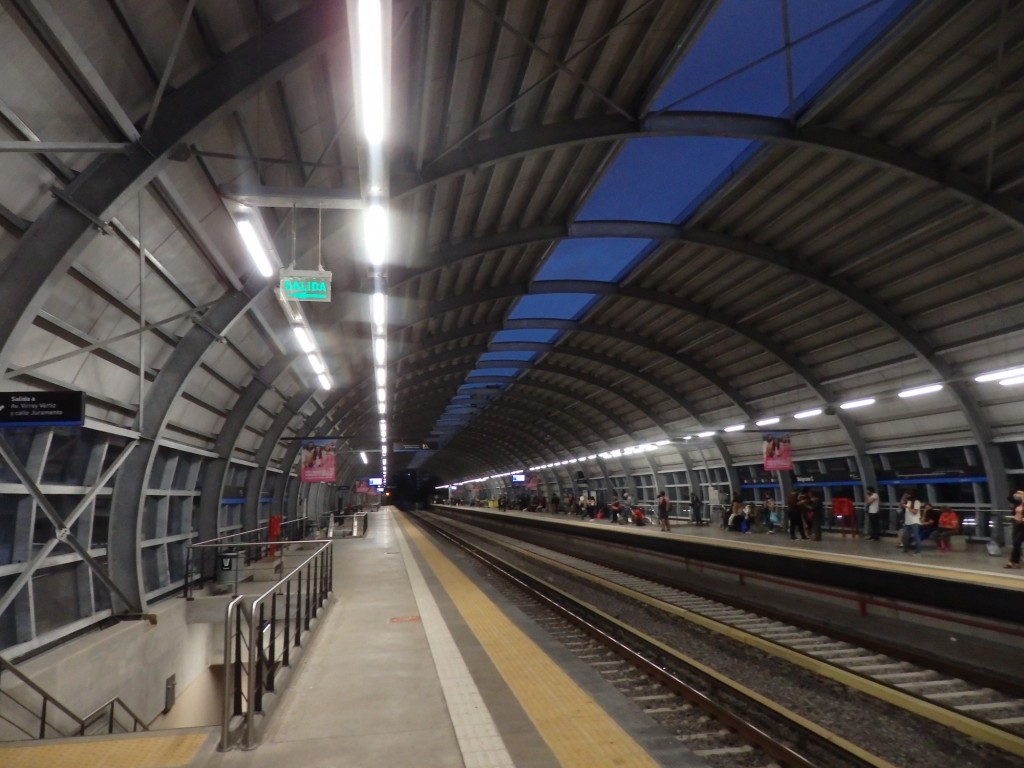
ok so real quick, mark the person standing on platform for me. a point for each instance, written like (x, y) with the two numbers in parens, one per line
(872, 504)
(817, 506)
(912, 525)
(663, 506)
(795, 511)
(1017, 500)
(696, 502)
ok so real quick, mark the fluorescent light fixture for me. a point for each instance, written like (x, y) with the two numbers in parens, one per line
(371, 69)
(663, 442)
(591, 457)
(316, 363)
(927, 389)
(705, 434)
(378, 309)
(325, 381)
(380, 350)
(766, 422)
(1012, 381)
(302, 335)
(375, 232)
(382, 375)
(857, 403)
(362, 455)
(382, 394)
(383, 449)
(382, 408)
(735, 428)
(687, 437)
(1007, 373)
(807, 414)
(255, 247)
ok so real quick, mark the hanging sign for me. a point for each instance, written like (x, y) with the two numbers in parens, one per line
(318, 461)
(42, 409)
(776, 451)
(305, 285)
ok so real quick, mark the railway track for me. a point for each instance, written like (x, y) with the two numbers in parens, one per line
(979, 712)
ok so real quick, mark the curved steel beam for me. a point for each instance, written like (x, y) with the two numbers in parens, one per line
(471, 156)
(227, 438)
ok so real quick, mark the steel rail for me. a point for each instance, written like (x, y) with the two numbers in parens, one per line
(589, 618)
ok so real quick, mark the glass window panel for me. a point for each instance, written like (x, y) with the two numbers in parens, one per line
(21, 443)
(56, 595)
(68, 457)
(100, 521)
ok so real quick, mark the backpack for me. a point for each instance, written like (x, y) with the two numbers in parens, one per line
(949, 521)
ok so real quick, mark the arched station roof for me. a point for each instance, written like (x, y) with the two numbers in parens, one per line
(612, 222)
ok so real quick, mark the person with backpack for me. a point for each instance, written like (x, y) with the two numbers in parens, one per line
(663, 509)
(872, 505)
(949, 524)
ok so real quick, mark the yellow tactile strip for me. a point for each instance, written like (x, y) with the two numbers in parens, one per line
(579, 732)
(138, 752)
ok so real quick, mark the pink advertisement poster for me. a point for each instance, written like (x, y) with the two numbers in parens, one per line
(777, 451)
(317, 461)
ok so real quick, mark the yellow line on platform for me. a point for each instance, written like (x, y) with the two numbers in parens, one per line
(578, 731)
(135, 752)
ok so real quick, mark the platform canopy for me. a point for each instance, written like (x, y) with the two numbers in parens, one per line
(610, 224)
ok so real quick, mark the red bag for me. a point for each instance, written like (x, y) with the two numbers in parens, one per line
(948, 520)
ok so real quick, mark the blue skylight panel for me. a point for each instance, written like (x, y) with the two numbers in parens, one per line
(502, 372)
(480, 385)
(654, 179)
(526, 336)
(551, 306)
(524, 357)
(604, 259)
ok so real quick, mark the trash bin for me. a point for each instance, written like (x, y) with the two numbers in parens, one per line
(227, 565)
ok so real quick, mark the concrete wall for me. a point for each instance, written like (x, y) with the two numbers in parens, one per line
(132, 660)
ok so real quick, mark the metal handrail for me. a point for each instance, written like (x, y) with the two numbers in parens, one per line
(108, 708)
(258, 537)
(260, 663)
(82, 723)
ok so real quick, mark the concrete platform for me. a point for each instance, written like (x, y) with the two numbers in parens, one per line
(416, 665)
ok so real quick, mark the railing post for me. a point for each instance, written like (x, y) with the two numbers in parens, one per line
(309, 589)
(238, 662)
(287, 618)
(315, 596)
(249, 739)
(257, 643)
(42, 720)
(272, 658)
(110, 719)
(298, 610)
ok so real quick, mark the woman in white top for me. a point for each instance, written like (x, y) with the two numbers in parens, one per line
(912, 525)
(871, 505)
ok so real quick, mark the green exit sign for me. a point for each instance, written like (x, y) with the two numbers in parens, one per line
(305, 285)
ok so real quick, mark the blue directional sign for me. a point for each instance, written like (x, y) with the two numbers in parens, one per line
(62, 408)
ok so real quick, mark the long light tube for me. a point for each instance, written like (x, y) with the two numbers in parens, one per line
(767, 422)
(735, 428)
(255, 247)
(375, 233)
(1006, 373)
(927, 389)
(849, 406)
(380, 350)
(371, 70)
(807, 414)
(378, 307)
(325, 381)
(302, 335)
(382, 394)
(1012, 381)
(362, 455)
(316, 363)
(382, 408)
(382, 375)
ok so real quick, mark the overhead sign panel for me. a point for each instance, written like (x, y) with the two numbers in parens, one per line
(305, 285)
(398, 447)
(42, 409)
